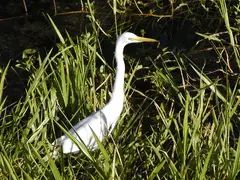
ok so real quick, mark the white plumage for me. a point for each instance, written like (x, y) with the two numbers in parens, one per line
(103, 121)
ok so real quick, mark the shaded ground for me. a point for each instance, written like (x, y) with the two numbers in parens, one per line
(20, 31)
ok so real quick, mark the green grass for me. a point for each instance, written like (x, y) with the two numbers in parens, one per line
(184, 125)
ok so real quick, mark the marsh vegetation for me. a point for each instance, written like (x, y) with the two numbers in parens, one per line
(181, 115)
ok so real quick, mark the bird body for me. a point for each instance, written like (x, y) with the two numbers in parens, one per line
(103, 121)
(95, 122)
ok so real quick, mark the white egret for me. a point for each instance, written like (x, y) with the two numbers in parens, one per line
(103, 121)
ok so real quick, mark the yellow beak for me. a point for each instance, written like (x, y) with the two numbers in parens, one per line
(143, 39)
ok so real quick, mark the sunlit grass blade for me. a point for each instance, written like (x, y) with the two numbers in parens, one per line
(210, 84)
(236, 165)
(53, 167)
(206, 163)
(80, 145)
(114, 172)
(6, 165)
(104, 153)
(185, 133)
(156, 170)
(3, 76)
(174, 172)
(224, 12)
(34, 154)
(56, 30)
(209, 37)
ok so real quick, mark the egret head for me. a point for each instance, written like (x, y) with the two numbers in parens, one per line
(127, 38)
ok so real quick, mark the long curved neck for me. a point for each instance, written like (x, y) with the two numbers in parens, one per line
(118, 88)
(113, 108)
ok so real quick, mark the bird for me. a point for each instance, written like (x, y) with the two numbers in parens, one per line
(103, 121)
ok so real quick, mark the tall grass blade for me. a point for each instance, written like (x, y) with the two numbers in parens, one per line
(210, 84)
(206, 163)
(236, 165)
(3, 75)
(185, 132)
(56, 30)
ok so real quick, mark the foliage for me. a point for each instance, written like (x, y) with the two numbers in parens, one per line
(184, 125)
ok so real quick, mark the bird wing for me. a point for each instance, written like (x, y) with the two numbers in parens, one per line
(82, 131)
